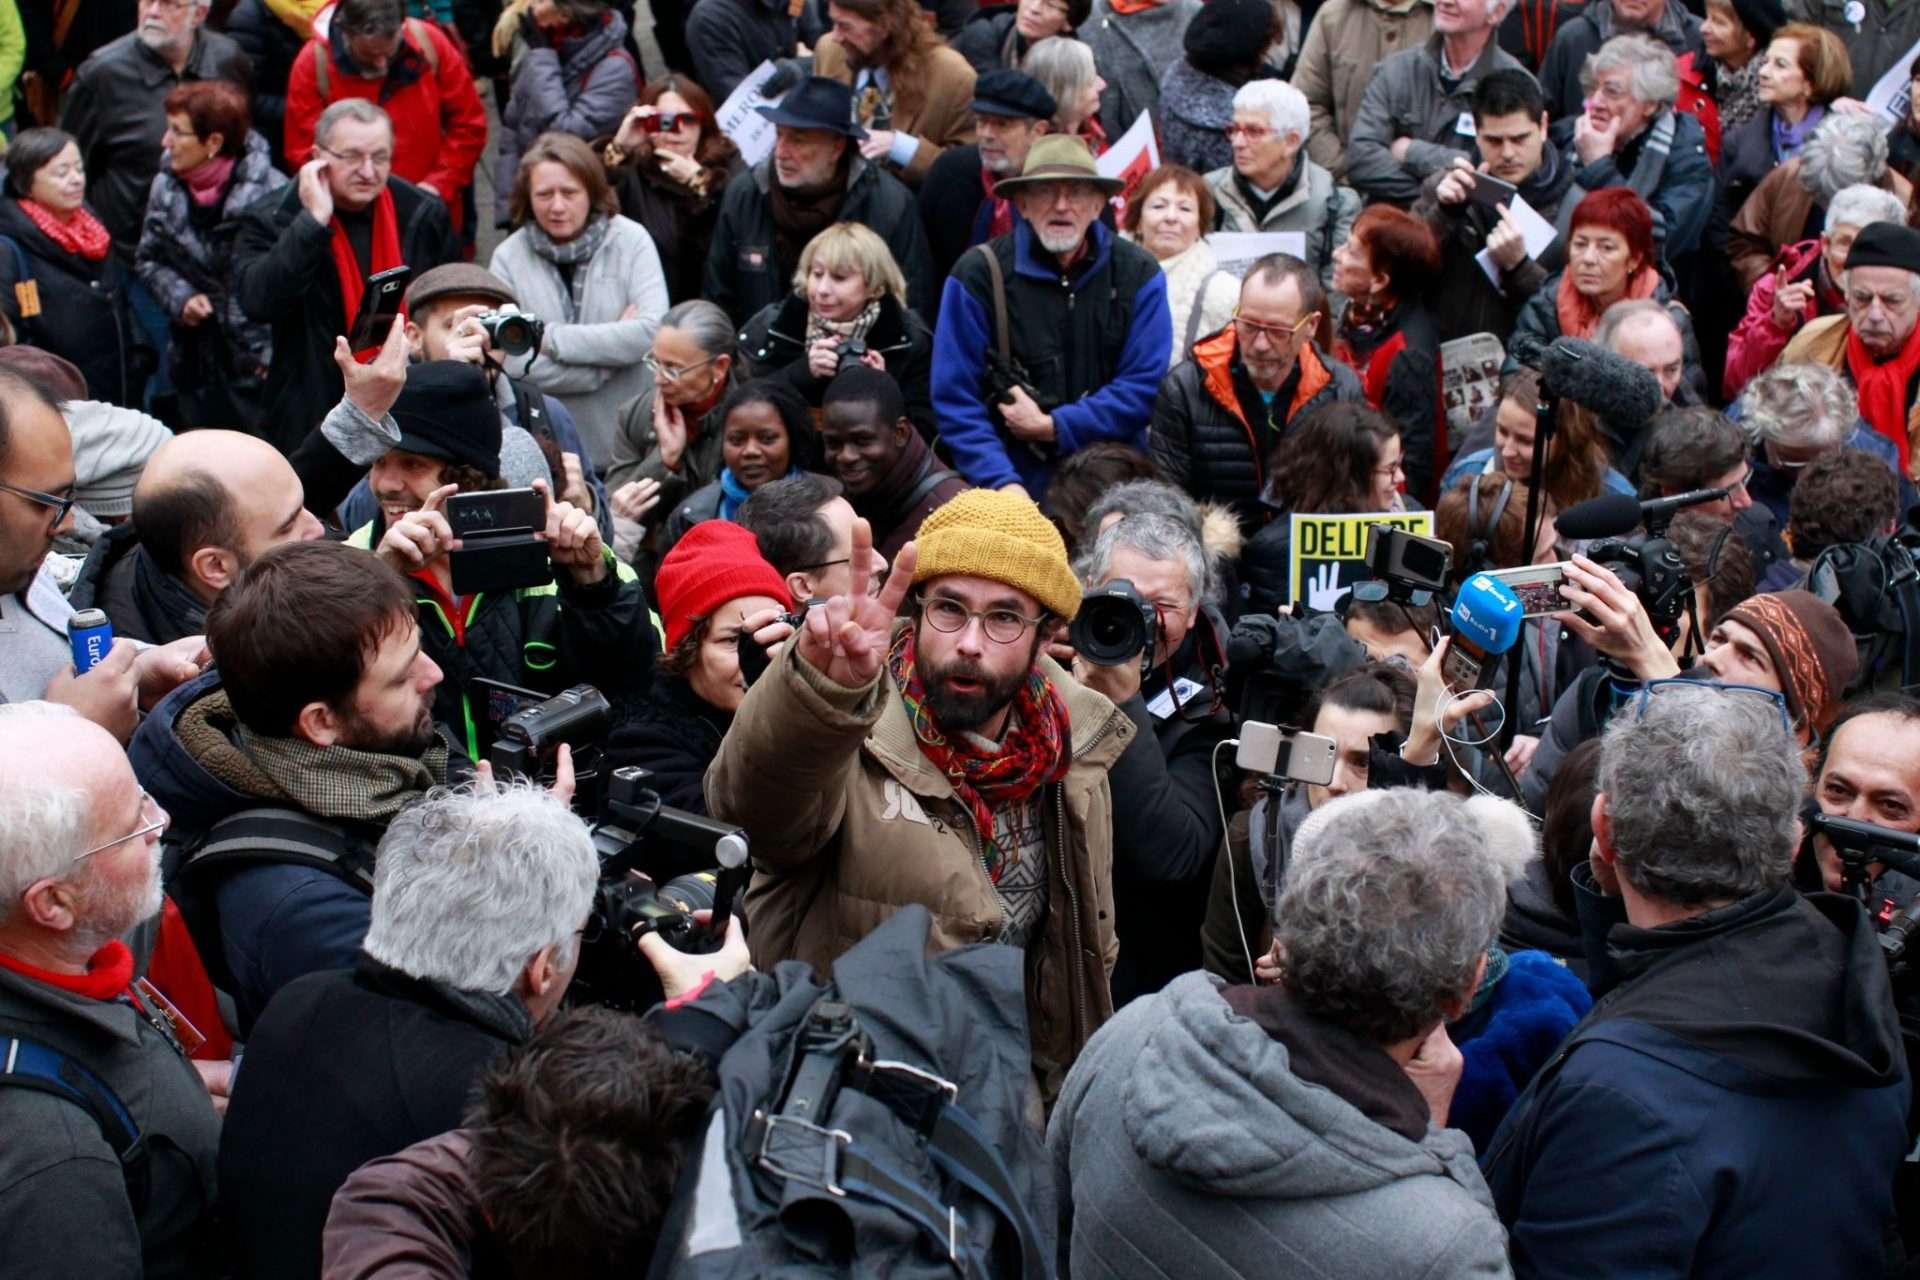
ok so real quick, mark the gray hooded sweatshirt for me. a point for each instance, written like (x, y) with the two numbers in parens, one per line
(1185, 1146)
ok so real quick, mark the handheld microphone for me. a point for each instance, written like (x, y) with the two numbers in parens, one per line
(90, 635)
(1614, 515)
(1487, 616)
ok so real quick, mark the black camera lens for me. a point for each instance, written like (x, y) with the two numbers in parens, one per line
(1114, 625)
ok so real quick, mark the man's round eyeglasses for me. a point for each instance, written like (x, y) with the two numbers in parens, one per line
(1003, 626)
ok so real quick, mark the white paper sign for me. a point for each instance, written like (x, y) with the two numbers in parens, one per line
(1132, 158)
(750, 131)
(1891, 94)
(1535, 231)
(1237, 251)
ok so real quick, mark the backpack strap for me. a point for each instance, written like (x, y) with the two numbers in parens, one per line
(1001, 341)
(423, 41)
(268, 835)
(1200, 306)
(28, 1064)
(322, 77)
(936, 476)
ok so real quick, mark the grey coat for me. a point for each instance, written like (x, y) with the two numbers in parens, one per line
(1183, 1145)
(1405, 99)
(64, 1208)
(590, 360)
(1318, 206)
(1133, 51)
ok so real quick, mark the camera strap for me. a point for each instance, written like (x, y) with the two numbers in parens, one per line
(1002, 341)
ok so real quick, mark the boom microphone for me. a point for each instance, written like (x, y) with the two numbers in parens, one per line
(1623, 393)
(1613, 515)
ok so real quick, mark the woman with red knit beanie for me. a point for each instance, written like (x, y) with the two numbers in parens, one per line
(713, 590)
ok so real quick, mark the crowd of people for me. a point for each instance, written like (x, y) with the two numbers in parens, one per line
(951, 515)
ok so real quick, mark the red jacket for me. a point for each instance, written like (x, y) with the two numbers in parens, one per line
(439, 125)
(1697, 101)
(1758, 342)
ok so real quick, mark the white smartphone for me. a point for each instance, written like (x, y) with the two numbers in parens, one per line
(1300, 756)
(1537, 585)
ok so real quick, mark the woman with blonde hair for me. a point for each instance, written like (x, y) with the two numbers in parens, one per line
(1064, 67)
(849, 302)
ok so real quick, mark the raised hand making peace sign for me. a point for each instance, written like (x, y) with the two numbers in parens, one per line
(846, 638)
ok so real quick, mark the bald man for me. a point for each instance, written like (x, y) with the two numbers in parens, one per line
(80, 867)
(207, 505)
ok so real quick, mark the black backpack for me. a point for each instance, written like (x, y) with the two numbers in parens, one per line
(877, 1125)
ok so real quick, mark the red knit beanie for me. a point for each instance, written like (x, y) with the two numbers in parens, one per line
(714, 562)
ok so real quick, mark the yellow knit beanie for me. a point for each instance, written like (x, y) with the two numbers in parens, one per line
(985, 533)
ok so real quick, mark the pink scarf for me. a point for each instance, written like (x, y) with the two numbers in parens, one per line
(206, 182)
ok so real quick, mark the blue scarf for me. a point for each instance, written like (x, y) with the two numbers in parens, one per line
(732, 494)
(1789, 138)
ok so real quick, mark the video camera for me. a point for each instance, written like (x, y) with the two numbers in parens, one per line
(1414, 569)
(640, 842)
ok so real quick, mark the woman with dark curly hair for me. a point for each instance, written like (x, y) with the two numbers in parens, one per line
(668, 164)
(765, 433)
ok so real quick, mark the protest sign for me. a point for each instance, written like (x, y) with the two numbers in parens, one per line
(750, 131)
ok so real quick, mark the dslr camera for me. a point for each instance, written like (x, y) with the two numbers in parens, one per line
(852, 352)
(1651, 568)
(1115, 626)
(511, 331)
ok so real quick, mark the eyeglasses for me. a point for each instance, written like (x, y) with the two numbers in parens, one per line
(1654, 688)
(150, 811)
(1252, 132)
(60, 506)
(823, 564)
(1278, 334)
(359, 159)
(670, 373)
(1003, 626)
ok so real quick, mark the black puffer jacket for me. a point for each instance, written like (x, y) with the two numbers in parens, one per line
(982, 39)
(1203, 435)
(773, 345)
(142, 602)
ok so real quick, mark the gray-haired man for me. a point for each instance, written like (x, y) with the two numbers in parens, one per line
(1749, 1045)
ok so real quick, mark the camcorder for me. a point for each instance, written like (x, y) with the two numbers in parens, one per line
(511, 331)
(499, 548)
(1115, 626)
(658, 864)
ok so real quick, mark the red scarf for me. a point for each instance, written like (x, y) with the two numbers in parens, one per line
(79, 233)
(1883, 388)
(386, 255)
(1000, 221)
(107, 976)
(1033, 753)
(1579, 317)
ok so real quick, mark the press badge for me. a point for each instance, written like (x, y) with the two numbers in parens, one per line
(1464, 125)
(1182, 692)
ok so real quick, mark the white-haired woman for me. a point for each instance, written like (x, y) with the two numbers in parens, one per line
(1273, 184)
(1630, 136)
(1064, 67)
(1802, 284)
(1797, 414)
(1846, 150)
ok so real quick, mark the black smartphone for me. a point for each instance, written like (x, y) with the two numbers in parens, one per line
(379, 308)
(1490, 191)
(497, 511)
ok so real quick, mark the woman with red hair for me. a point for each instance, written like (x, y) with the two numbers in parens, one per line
(1384, 269)
(1610, 258)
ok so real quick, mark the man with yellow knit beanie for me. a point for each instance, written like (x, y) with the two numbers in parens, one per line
(940, 758)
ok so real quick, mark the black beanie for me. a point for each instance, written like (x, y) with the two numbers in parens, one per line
(1229, 33)
(447, 411)
(1885, 244)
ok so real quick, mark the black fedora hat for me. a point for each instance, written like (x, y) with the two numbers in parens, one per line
(816, 103)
